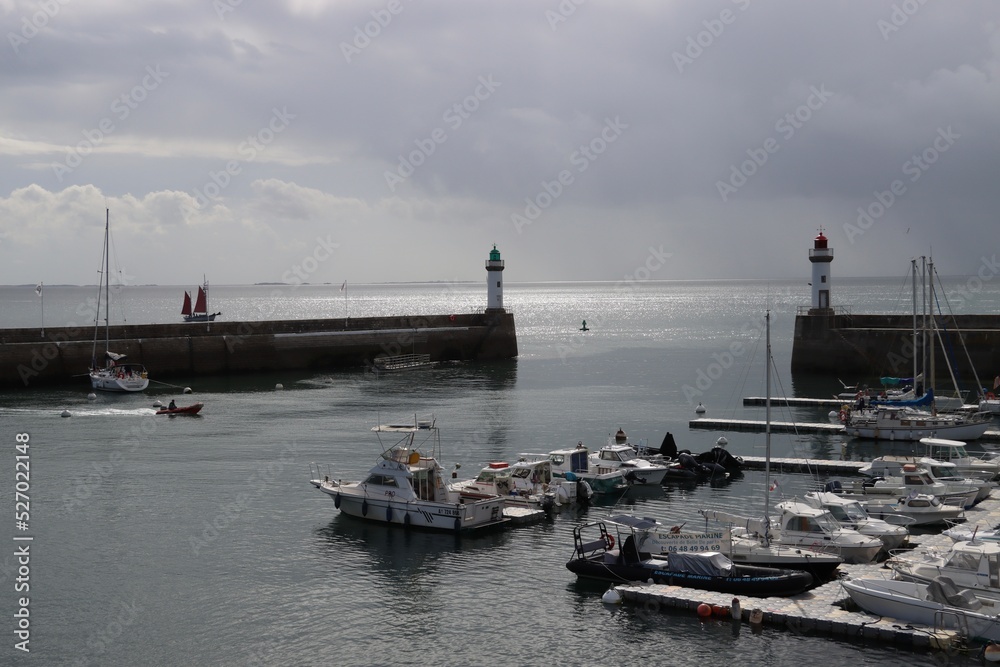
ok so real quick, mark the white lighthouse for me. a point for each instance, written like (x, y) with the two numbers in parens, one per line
(821, 256)
(494, 281)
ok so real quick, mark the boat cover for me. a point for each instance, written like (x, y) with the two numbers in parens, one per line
(926, 399)
(712, 564)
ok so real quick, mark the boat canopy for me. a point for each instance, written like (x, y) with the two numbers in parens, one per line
(926, 399)
(644, 523)
(114, 356)
(895, 382)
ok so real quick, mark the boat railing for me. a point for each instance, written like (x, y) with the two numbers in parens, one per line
(321, 473)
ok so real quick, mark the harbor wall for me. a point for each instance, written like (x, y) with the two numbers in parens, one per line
(842, 344)
(61, 355)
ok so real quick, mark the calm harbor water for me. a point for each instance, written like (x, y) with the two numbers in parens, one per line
(183, 541)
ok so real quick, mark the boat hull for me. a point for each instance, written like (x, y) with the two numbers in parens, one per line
(455, 517)
(103, 381)
(186, 410)
(745, 580)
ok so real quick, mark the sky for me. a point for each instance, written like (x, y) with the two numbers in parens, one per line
(395, 140)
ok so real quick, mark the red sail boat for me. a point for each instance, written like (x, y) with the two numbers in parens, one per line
(200, 312)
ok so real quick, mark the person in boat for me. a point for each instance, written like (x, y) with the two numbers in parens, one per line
(172, 406)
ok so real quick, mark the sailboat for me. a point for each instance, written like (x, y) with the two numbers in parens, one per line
(200, 312)
(116, 374)
(751, 538)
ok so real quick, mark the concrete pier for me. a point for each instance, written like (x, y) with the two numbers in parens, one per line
(220, 348)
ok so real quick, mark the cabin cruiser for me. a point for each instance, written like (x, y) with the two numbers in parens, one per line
(914, 479)
(803, 525)
(574, 465)
(974, 564)
(621, 457)
(851, 514)
(885, 422)
(528, 483)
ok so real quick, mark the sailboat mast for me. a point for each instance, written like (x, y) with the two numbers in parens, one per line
(107, 280)
(913, 263)
(767, 427)
(929, 381)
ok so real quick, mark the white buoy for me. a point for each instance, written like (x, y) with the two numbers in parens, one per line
(834, 414)
(611, 596)
(187, 390)
(92, 396)
(700, 409)
(279, 386)
(722, 442)
(157, 404)
(65, 413)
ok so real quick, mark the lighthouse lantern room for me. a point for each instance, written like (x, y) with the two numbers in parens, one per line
(494, 282)
(821, 256)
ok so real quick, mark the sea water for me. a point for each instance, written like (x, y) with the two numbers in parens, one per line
(199, 540)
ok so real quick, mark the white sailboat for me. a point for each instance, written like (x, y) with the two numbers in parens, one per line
(116, 375)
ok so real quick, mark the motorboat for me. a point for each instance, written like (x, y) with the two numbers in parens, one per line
(913, 478)
(192, 409)
(922, 509)
(528, 483)
(942, 472)
(955, 451)
(598, 554)
(802, 525)
(408, 487)
(621, 457)
(574, 465)
(849, 513)
(886, 422)
(970, 564)
(939, 604)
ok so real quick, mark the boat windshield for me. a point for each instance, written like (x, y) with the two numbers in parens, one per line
(855, 511)
(378, 479)
(487, 475)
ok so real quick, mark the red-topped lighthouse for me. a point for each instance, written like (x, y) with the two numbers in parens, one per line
(821, 256)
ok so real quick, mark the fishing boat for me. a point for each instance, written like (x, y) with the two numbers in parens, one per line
(884, 422)
(970, 564)
(596, 556)
(526, 482)
(116, 375)
(192, 409)
(621, 457)
(850, 514)
(912, 479)
(940, 472)
(200, 311)
(574, 466)
(408, 487)
(939, 604)
(920, 509)
(803, 525)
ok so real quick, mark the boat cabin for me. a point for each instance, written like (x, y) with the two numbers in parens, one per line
(980, 557)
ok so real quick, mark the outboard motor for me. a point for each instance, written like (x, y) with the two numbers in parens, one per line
(668, 447)
(687, 461)
(714, 469)
(833, 486)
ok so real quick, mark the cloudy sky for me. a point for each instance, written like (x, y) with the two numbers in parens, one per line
(396, 140)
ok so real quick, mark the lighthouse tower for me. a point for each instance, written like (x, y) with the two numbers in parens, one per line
(494, 282)
(821, 256)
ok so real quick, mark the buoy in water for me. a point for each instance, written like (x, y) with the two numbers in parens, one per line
(756, 616)
(991, 652)
(735, 611)
(279, 386)
(704, 610)
(722, 442)
(700, 409)
(157, 404)
(92, 396)
(187, 390)
(833, 414)
(65, 413)
(611, 596)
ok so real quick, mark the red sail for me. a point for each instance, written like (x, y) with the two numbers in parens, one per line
(201, 306)
(186, 309)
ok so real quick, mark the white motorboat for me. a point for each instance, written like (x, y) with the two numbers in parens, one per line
(922, 509)
(940, 605)
(851, 514)
(940, 472)
(528, 483)
(116, 375)
(914, 479)
(974, 565)
(573, 465)
(955, 451)
(408, 488)
(902, 423)
(802, 525)
(621, 457)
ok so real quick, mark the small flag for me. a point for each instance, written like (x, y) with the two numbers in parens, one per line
(344, 286)
(774, 485)
(38, 289)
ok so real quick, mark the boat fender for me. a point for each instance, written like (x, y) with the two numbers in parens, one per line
(388, 514)
(406, 519)
(336, 500)
(611, 541)
(458, 524)
(364, 508)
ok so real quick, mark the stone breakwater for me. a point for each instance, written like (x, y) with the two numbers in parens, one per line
(29, 358)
